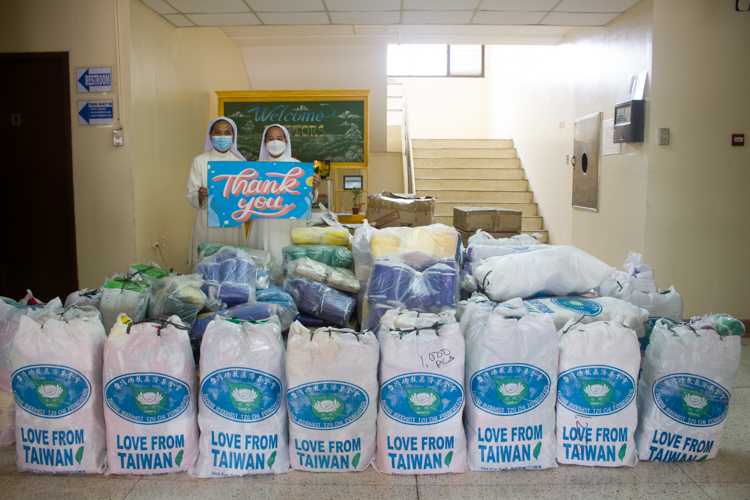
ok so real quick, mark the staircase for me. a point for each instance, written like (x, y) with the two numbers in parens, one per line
(475, 173)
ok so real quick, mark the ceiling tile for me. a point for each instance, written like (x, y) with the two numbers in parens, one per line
(286, 5)
(519, 5)
(595, 5)
(365, 17)
(178, 20)
(294, 18)
(498, 17)
(441, 17)
(209, 6)
(238, 19)
(362, 5)
(440, 4)
(578, 19)
(159, 6)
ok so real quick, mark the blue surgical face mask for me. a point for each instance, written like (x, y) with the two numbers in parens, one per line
(222, 142)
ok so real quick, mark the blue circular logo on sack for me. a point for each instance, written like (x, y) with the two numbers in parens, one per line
(595, 390)
(509, 389)
(326, 405)
(241, 394)
(50, 391)
(579, 306)
(147, 398)
(421, 398)
(691, 400)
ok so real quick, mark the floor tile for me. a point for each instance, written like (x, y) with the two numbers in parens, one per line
(50, 487)
(746, 351)
(679, 491)
(743, 376)
(367, 477)
(8, 459)
(157, 490)
(644, 472)
(726, 491)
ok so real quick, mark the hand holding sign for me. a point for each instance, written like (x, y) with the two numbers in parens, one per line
(239, 191)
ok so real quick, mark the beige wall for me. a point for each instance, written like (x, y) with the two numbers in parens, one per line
(698, 208)
(102, 173)
(447, 108)
(175, 73)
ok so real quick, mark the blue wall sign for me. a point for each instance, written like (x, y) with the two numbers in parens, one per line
(240, 191)
(95, 113)
(93, 80)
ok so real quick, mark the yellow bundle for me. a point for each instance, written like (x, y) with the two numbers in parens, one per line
(435, 241)
(320, 236)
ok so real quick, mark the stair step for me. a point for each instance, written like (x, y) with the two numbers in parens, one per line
(544, 233)
(443, 208)
(456, 163)
(473, 196)
(465, 173)
(473, 185)
(463, 153)
(462, 143)
(527, 223)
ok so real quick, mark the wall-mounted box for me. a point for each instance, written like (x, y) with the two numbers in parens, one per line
(630, 121)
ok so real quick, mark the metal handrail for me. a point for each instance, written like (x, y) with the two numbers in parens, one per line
(406, 145)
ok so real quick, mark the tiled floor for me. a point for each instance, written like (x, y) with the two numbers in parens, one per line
(727, 477)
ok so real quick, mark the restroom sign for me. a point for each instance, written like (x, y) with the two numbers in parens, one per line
(93, 80)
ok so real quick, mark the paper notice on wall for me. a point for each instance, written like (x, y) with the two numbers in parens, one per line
(609, 147)
(637, 86)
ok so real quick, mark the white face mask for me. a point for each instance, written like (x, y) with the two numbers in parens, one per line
(276, 148)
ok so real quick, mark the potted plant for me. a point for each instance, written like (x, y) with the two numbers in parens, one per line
(356, 203)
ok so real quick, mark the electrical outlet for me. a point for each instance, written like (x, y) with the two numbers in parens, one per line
(663, 137)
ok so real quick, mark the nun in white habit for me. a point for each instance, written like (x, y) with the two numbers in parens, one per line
(272, 235)
(221, 145)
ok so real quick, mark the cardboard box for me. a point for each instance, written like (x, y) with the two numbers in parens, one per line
(394, 210)
(499, 220)
(465, 235)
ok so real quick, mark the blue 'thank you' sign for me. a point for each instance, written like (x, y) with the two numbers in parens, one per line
(243, 190)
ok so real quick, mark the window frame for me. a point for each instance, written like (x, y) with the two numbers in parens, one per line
(448, 60)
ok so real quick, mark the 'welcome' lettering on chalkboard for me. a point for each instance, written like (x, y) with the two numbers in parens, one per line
(279, 113)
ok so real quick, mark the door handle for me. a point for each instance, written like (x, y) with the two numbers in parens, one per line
(573, 162)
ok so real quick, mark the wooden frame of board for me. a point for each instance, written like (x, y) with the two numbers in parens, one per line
(282, 96)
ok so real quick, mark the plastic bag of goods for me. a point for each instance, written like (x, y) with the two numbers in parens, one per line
(11, 313)
(320, 236)
(596, 407)
(476, 252)
(84, 297)
(420, 427)
(584, 311)
(331, 255)
(320, 300)
(485, 238)
(253, 311)
(361, 251)
(337, 278)
(121, 295)
(666, 305)
(395, 284)
(177, 295)
(557, 271)
(511, 372)
(229, 275)
(332, 398)
(685, 388)
(420, 247)
(261, 258)
(513, 308)
(639, 276)
(275, 295)
(242, 400)
(57, 384)
(150, 402)
(149, 272)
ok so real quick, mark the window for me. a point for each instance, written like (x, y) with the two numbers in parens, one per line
(436, 60)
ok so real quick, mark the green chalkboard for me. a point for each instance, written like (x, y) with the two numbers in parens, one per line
(323, 124)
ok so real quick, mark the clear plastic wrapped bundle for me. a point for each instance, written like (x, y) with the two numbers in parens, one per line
(148, 272)
(419, 246)
(361, 251)
(476, 252)
(485, 238)
(340, 279)
(261, 258)
(320, 300)
(395, 284)
(84, 297)
(639, 276)
(121, 295)
(177, 295)
(320, 236)
(331, 255)
(229, 275)
(275, 295)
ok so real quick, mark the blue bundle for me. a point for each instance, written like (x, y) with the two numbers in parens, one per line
(320, 300)
(275, 295)
(229, 276)
(395, 284)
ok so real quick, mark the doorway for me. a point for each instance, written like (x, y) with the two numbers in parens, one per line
(38, 229)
